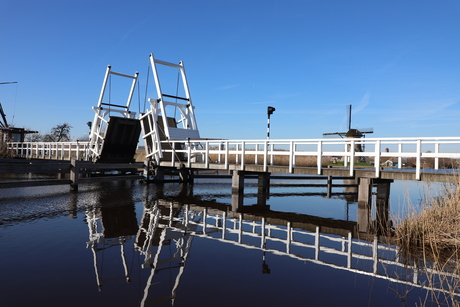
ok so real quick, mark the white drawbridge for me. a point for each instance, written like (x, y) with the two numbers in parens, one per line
(114, 138)
(158, 125)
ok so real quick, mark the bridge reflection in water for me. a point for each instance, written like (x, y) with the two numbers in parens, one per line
(171, 223)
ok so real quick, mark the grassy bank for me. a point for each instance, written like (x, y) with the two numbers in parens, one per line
(436, 225)
(430, 238)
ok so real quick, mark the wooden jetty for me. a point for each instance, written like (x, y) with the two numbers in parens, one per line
(70, 173)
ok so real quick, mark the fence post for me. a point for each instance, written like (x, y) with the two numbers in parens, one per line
(189, 153)
(243, 153)
(436, 160)
(377, 159)
(265, 155)
(206, 158)
(352, 157)
(319, 157)
(272, 158)
(227, 153)
(74, 174)
(418, 159)
(345, 157)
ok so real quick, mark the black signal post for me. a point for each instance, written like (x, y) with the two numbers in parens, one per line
(270, 111)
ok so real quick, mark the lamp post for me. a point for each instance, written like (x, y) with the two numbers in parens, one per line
(270, 111)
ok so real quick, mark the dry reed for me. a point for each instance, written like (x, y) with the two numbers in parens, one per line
(140, 155)
(279, 160)
(4, 152)
(430, 238)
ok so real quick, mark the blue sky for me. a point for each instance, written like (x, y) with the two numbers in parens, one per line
(396, 62)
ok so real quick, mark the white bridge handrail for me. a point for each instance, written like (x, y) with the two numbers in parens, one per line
(376, 150)
(212, 153)
(50, 150)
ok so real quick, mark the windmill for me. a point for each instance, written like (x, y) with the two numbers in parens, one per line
(352, 133)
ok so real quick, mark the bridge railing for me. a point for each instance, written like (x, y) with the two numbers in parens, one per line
(318, 152)
(50, 150)
(289, 153)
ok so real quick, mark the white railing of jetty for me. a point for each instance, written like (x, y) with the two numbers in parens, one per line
(376, 149)
(50, 150)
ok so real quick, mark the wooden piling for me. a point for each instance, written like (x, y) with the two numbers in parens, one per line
(74, 174)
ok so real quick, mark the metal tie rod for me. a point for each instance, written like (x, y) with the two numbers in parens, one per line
(176, 97)
(123, 75)
(168, 64)
(113, 105)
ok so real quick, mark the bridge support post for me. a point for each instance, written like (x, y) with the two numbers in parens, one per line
(185, 174)
(364, 204)
(238, 182)
(382, 222)
(382, 210)
(263, 183)
(263, 189)
(329, 187)
(159, 175)
(364, 190)
(364, 217)
(147, 170)
(74, 174)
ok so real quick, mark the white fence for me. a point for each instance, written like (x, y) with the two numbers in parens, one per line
(50, 150)
(221, 153)
(350, 151)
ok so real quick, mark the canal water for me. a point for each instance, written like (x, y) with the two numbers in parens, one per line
(131, 244)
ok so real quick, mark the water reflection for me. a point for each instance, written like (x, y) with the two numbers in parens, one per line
(186, 245)
(164, 236)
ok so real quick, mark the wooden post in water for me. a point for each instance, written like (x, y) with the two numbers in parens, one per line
(382, 210)
(364, 204)
(147, 170)
(365, 191)
(74, 174)
(329, 186)
(263, 189)
(263, 183)
(185, 174)
(159, 174)
(238, 182)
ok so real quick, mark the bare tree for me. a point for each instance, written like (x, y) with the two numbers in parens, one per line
(59, 133)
